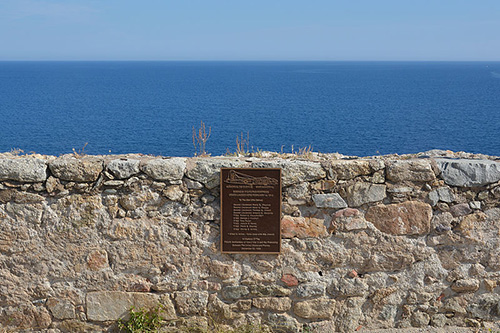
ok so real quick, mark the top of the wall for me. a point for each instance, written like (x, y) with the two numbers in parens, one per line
(455, 168)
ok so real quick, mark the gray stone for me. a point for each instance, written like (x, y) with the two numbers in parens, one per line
(349, 287)
(281, 322)
(235, 292)
(191, 302)
(124, 168)
(112, 305)
(23, 169)
(330, 200)
(311, 289)
(475, 204)
(169, 169)
(192, 184)
(207, 170)
(362, 193)
(294, 172)
(86, 169)
(299, 191)
(410, 170)
(441, 194)
(486, 307)
(469, 173)
(61, 308)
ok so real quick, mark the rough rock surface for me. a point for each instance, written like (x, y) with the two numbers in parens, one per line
(85, 169)
(165, 169)
(407, 218)
(84, 239)
(23, 169)
(469, 173)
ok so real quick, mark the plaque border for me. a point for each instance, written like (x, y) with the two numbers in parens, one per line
(222, 211)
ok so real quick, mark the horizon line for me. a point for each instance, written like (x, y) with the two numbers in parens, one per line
(227, 60)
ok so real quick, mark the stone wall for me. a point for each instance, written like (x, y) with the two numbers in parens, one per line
(377, 242)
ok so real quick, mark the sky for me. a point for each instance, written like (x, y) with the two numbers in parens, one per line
(355, 30)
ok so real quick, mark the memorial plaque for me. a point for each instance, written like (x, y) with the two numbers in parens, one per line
(250, 210)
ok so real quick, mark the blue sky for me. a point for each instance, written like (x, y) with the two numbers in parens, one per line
(250, 30)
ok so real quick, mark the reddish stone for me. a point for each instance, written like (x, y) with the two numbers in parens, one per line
(347, 212)
(407, 218)
(302, 227)
(290, 280)
(97, 260)
(353, 274)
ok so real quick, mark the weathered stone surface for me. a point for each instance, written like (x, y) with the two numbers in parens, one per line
(294, 172)
(235, 292)
(85, 169)
(281, 322)
(349, 169)
(302, 227)
(407, 218)
(460, 210)
(112, 305)
(348, 219)
(315, 309)
(269, 290)
(465, 286)
(441, 194)
(311, 289)
(207, 170)
(330, 200)
(124, 168)
(469, 173)
(354, 287)
(410, 170)
(276, 304)
(61, 308)
(191, 302)
(362, 193)
(23, 169)
(169, 169)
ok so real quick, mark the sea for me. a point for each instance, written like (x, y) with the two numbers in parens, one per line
(353, 108)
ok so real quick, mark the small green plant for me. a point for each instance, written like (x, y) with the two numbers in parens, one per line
(142, 320)
(200, 138)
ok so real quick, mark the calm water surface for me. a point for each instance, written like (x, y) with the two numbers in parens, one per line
(355, 108)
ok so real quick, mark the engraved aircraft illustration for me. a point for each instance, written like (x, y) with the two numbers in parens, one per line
(235, 177)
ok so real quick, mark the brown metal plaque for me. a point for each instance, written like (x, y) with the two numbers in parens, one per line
(250, 210)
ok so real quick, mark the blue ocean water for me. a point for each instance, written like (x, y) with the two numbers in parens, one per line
(354, 108)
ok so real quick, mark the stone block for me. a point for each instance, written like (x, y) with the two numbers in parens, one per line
(29, 170)
(362, 193)
(410, 170)
(112, 305)
(165, 169)
(191, 302)
(294, 172)
(469, 173)
(315, 309)
(85, 169)
(123, 168)
(330, 200)
(407, 218)
(302, 227)
(275, 304)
